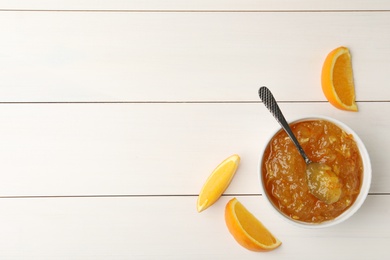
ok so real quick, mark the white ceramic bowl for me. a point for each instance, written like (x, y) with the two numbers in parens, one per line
(365, 185)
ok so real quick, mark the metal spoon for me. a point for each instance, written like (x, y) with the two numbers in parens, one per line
(322, 182)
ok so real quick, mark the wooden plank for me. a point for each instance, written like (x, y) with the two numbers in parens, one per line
(200, 5)
(119, 56)
(155, 149)
(170, 228)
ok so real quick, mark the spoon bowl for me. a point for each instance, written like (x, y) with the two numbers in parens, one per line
(322, 182)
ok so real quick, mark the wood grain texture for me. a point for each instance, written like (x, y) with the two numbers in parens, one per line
(88, 57)
(154, 149)
(113, 114)
(199, 5)
(171, 228)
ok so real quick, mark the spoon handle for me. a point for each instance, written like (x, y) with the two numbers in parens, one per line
(270, 102)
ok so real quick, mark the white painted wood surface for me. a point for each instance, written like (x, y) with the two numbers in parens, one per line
(110, 56)
(114, 113)
(199, 5)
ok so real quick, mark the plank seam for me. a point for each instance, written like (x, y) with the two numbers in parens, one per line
(148, 196)
(169, 102)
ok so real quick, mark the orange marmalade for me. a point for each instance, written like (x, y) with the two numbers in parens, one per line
(284, 170)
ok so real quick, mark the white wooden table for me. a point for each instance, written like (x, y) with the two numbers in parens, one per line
(113, 114)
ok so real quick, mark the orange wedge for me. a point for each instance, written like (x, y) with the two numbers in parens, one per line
(217, 182)
(337, 79)
(247, 230)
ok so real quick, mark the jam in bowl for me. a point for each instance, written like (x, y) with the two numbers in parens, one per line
(283, 171)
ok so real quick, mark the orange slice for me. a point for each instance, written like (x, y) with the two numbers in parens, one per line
(337, 79)
(217, 182)
(247, 230)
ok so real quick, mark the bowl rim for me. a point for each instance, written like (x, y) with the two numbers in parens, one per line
(365, 185)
